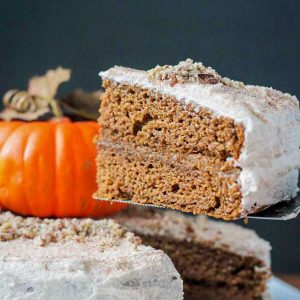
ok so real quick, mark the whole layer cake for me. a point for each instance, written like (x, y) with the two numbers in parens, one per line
(186, 138)
(69, 259)
(217, 260)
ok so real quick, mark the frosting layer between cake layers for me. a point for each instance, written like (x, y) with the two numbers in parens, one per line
(270, 156)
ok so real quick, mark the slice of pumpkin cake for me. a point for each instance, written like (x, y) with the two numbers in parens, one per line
(217, 260)
(70, 259)
(186, 138)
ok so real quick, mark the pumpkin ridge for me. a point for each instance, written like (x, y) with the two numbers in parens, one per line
(16, 191)
(86, 137)
(59, 171)
(53, 145)
(24, 165)
(46, 183)
(3, 174)
(77, 151)
(65, 169)
(10, 130)
(55, 207)
(39, 165)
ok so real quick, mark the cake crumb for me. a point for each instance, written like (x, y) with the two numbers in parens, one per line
(137, 240)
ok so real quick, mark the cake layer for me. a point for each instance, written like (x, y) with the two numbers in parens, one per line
(202, 262)
(189, 182)
(214, 258)
(80, 259)
(135, 115)
(189, 108)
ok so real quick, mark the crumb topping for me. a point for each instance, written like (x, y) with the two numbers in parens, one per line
(44, 231)
(190, 72)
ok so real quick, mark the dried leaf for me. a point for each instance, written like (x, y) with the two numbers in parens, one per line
(82, 105)
(10, 114)
(39, 100)
(21, 105)
(46, 86)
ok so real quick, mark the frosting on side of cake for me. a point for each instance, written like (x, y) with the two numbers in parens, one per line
(197, 229)
(270, 157)
(101, 266)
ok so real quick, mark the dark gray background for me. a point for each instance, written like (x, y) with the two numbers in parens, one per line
(253, 41)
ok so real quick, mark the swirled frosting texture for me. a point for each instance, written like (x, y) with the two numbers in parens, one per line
(270, 157)
(70, 269)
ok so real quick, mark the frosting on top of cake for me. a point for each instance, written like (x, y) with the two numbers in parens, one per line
(71, 270)
(44, 231)
(270, 157)
(175, 225)
(257, 100)
(105, 264)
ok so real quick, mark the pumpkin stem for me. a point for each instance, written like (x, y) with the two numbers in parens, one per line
(55, 107)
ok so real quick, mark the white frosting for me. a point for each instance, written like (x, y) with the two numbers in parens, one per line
(270, 157)
(71, 270)
(199, 229)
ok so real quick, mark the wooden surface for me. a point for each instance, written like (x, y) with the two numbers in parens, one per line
(292, 279)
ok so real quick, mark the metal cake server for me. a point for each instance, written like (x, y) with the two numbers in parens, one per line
(282, 211)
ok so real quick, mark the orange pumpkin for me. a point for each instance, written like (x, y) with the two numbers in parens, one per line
(48, 169)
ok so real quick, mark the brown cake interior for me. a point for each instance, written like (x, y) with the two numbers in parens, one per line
(211, 273)
(155, 150)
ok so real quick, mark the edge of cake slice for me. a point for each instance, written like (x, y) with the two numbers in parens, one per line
(186, 138)
(216, 260)
(80, 259)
